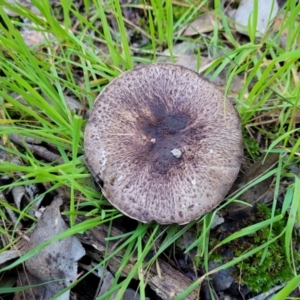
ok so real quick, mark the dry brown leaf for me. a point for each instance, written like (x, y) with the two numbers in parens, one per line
(36, 149)
(8, 255)
(59, 259)
(33, 37)
(205, 23)
(25, 279)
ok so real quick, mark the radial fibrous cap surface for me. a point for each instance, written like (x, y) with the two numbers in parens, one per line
(163, 143)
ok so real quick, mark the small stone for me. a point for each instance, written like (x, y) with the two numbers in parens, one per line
(221, 280)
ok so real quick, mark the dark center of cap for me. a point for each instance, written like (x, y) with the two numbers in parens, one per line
(166, 138)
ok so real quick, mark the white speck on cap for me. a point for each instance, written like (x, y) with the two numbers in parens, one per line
(177, 153)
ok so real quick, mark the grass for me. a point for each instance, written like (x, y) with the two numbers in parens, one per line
(36, 81)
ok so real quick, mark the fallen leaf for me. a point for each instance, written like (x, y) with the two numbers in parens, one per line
(267, 10)
(205, 23)
(25, 279)
(57, 261)
(33, 37)
(8, 255)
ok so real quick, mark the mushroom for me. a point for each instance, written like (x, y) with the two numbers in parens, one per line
(163, 143)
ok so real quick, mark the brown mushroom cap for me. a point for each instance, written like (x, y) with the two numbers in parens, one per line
(164, 143)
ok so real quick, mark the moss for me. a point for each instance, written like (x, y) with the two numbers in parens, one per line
(251, 144)
(260, 275)
(257, 273)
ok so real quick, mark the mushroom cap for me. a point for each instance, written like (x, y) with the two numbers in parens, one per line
(163, 143)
